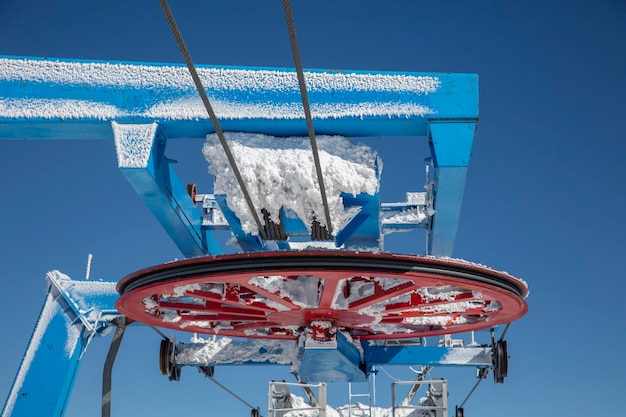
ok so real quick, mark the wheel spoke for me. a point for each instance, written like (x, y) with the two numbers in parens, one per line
(277, 298)
(210, 297)
(381, 295)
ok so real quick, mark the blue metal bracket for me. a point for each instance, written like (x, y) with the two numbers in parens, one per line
(363, 230)
(73, 313)
(141, 158)
(414, 213)
(336, 361)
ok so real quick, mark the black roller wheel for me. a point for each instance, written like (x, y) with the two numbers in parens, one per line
(166, 366)
(500, 361)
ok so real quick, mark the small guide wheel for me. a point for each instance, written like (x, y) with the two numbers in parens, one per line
(500, 361)
(166, 365)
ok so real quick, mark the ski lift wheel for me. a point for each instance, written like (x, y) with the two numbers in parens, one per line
(286, 294)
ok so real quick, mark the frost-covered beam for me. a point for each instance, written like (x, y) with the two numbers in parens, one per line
(73, 99)
(228, 351)
(411, 214)
(141, 158)
(73, 312)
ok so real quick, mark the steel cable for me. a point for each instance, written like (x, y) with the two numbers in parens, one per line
(167, 12)
(305, 104)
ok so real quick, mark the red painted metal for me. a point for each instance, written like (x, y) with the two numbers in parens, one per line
(279, 295)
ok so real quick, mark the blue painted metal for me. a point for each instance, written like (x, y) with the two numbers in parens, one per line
(142, 160)
(73, 313)
(293, 225)
(338, 360)
(427, 355)
(451, 145)
(361, 103)
(407, 215)
(363, 230)
(247, 242)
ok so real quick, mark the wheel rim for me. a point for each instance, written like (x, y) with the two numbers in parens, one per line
(282, 295)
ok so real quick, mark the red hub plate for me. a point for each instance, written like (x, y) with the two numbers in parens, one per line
(276, 295)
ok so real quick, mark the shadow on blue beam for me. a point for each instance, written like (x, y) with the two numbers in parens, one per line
(335, 361)
(427, 355)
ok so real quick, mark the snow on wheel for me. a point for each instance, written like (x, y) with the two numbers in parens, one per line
(282, 295)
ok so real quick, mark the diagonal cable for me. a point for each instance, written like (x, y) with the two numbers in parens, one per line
(305, 104)
(167, 12)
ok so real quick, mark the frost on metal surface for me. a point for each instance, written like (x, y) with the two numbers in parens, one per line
(301, 290)
(133, 144)
(226, 350)
(170, 94)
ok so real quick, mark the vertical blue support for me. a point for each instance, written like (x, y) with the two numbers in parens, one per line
(451, 147)
(73, 313)
(141, 158)
(46, 375)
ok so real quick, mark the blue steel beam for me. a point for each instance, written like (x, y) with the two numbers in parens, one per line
(73, 313)
(141, 158)
(88, 95)
(427, 355)
(339, 362)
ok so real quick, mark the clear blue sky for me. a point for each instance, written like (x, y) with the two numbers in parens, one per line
(544, 197)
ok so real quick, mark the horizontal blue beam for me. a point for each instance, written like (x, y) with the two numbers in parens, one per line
(427, 355)
(74, 99)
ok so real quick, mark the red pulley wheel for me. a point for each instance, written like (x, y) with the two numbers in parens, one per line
(279, 295)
